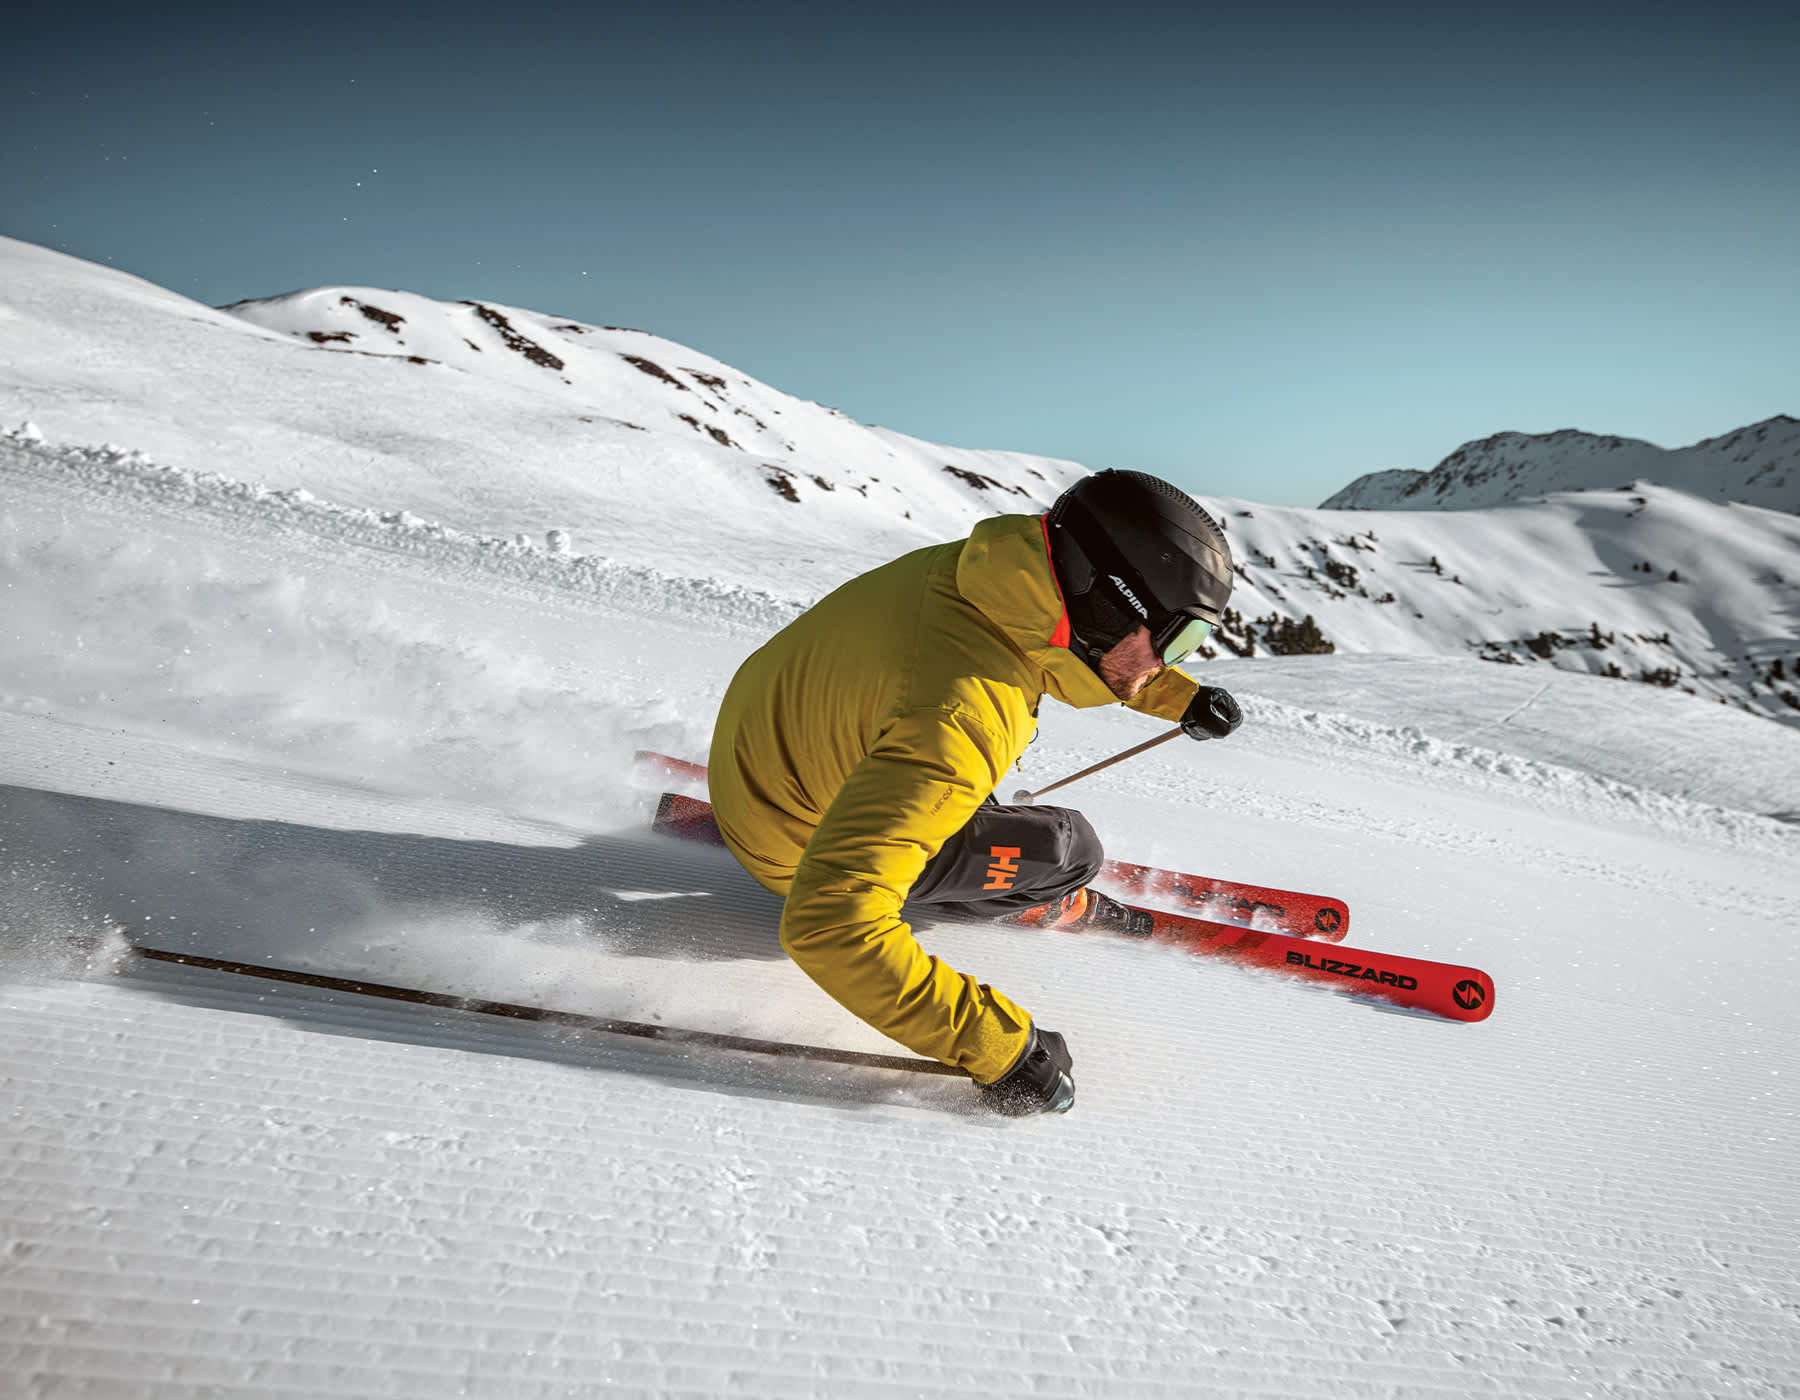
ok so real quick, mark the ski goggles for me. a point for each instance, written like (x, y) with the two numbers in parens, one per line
(1180, 637)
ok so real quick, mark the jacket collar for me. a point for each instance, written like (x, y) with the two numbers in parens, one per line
(1005, 572)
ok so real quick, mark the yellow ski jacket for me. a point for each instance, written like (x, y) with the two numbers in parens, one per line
(865, 733)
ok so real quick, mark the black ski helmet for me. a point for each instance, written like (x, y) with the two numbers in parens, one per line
(1130, 550)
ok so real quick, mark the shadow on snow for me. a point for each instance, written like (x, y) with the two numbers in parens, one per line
(282, 894)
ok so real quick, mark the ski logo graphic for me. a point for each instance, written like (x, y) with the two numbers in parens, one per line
(1327, 921)
(1130, 597)
(1469, 994)
(1363, 974)
(1240, 903)
(1005, 868)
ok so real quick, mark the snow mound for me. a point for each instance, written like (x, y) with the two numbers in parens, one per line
(113, 471)
(1360, 741)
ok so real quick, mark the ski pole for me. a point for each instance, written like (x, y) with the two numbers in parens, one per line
(1023, 796)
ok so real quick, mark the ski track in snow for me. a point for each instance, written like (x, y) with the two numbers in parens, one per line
(218, 1184)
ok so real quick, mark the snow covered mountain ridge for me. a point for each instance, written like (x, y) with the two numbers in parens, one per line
(384, 415)
(1757, 465)
(484, 418)
(645, 384)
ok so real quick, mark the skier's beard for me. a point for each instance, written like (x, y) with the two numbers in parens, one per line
(1128, 667)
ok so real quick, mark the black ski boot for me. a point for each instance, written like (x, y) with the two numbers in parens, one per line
(1085, 908)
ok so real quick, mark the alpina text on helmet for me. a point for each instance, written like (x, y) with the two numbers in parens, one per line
(1130, 597)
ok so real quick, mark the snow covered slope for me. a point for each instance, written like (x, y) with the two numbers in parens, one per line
(1758, 465)
(291, 673)
(1645, 584)
(249, 724)
(482, 418)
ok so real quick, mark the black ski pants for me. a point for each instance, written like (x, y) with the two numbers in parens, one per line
(1006, 859)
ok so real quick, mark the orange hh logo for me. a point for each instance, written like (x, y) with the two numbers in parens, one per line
(1004, 868)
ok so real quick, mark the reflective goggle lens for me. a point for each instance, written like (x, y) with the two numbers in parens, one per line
(1185, 642)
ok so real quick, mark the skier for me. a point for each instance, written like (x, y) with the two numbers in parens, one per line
(857, 752)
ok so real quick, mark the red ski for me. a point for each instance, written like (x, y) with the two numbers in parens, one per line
(686, 817)
(1254, 906)
(663, 768)
(1443, 989)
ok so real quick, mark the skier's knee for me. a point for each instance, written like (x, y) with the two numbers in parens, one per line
(1082, 854)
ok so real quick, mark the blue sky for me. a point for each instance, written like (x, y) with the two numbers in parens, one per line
(1258, 253)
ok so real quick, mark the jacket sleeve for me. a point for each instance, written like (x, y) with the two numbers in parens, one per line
(1166, 696)
(920, 783)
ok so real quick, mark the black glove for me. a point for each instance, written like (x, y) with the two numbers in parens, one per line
(1212, 714)
(1039, 1081)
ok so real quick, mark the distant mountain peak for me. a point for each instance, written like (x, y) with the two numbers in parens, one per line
(1756, 465)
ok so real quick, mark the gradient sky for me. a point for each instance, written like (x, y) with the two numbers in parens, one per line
(1258, 251)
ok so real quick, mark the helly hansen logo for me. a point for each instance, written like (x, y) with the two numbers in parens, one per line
(1005, 868)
